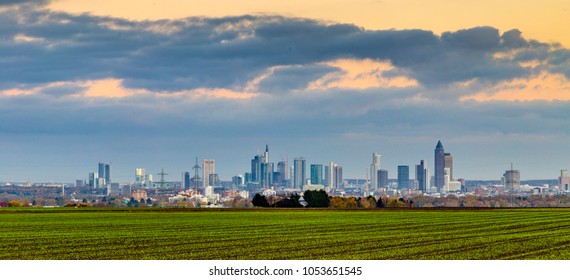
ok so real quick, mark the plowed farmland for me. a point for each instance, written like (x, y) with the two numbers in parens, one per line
(285, 234)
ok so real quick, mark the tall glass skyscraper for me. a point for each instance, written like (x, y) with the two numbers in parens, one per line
(316, 174)
(439, 165)
(300, 175)
(403, 177)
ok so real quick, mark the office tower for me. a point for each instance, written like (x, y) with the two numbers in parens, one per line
(185, 180)
(282, 171)
(256, 169)
(79, 183)
(564, 181)
(93, 179)
(421, 176)
(105, 172)
(266, 154)
(214, 180)
(208, 167)
(448, 163)
(316, 174)
(326, 175)
(338, 182)
(139, 175)
(403, 177)
(329, 174)
(427, 180)
(382, 176)
(247, 177)
(446, 179)
(374, 167)
(439, 165)
(237, 181)
(512, 179)
(266, 171)
(299, 175)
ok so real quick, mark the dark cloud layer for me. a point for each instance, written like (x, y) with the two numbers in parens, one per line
(226, 52)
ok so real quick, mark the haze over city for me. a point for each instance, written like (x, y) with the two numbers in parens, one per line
(163, 83)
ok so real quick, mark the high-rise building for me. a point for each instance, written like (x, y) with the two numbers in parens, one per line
(266, 154)
(338, 181)
(281, 177)
(299, 175)
(267, 174)
(139, 175)
(382, 176)
(208, 167)
(439, 165)
(105, 172)
(421, 176)
(403, 177)
(316, 174)
(564, 181)
(256, 169)
(374, 167)
(93, 179)
(186, 180)
(448, 163)
(512, 179)
(214, 180)
(237, 181)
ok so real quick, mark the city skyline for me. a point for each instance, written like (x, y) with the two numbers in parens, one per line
(156, 86)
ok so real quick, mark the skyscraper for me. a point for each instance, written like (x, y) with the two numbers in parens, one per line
(208, 167)
(439, 165)
(512, 179)
(186, 180)
(282, 170)
(448, 163)
(382, 178)
(267, 174)
(403, 177)
(338, 181)
(564, 181)
(316, 174)
(299, 175)
(105, 172)
(374, 167)
(256, 169)
(421, 176)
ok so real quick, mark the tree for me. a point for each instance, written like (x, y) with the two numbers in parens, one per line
(379, 203)
(148, 201)
(260, 200)
(316, 198)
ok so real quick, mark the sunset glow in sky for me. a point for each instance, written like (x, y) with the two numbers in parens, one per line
(154, 84)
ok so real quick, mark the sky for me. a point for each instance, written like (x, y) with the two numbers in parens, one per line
(158, 83)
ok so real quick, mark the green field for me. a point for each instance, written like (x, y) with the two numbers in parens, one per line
(285, 234)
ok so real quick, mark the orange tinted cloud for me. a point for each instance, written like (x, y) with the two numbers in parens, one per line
(545, 86)
(361, 74)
